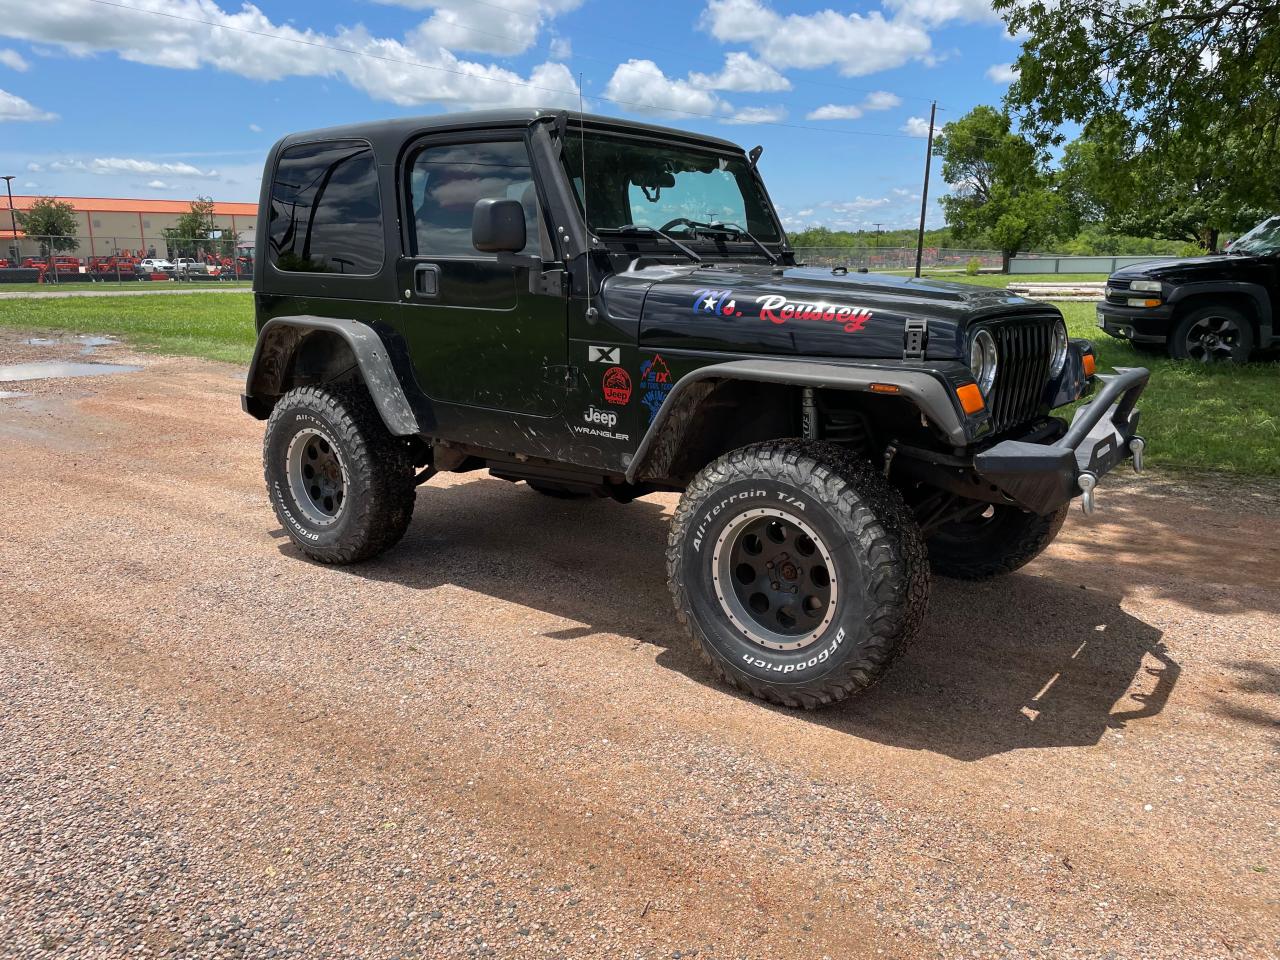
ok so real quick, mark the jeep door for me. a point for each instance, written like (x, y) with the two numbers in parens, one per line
(477, 335)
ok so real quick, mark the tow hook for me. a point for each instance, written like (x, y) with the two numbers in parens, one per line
(1136, 447)
(1087, 482)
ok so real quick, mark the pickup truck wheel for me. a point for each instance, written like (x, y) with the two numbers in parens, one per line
(340, 484)
(797, 570)
(996, 541)
(1212, 335)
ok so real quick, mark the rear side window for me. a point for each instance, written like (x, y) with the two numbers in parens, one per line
(446, 181)
(325, 212)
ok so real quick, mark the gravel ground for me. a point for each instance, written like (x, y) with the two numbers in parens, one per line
(493, 743)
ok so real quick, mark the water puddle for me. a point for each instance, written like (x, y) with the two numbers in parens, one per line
(61, 369)
(88, 344)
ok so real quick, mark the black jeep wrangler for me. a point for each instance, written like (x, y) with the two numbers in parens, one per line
(1216, 308)
(603, 308)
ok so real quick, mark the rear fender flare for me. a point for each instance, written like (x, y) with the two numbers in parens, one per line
(927, 389)
(280, 337)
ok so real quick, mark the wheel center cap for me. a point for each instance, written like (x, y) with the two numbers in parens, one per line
(789, 571)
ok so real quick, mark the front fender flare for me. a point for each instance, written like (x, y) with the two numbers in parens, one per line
(280, 336)
(1254, 291)
(928, 389)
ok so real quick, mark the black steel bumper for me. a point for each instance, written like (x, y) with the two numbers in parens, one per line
(1138, 324)
(1042, 476)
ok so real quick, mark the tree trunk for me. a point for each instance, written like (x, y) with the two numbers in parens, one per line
(1005, 257)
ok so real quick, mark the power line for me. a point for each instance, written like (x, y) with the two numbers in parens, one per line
(350, 51)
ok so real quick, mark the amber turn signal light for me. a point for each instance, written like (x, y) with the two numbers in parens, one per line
(1090, 365)
(884, 388)
(970, 398)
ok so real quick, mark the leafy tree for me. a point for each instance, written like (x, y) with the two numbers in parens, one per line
(1002, 190)
(1179, 192)
(1190, 86)
(54, 222)
(189, 237)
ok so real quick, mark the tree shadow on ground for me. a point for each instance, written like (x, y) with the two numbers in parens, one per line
(1026, 661)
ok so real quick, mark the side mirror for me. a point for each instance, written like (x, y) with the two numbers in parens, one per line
(497, 226)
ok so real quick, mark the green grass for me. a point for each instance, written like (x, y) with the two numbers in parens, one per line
(1218, 418)
(1202, 417)
(151, 286)
(214, 325)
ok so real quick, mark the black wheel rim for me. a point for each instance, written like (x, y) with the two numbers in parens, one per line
(775, 579)
(1213, 338)
(317, 477)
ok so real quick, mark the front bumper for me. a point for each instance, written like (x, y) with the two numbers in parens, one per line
(1137, 324)
(1040, 477)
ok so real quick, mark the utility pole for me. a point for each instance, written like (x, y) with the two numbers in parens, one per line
(924, 194)
(13, 219)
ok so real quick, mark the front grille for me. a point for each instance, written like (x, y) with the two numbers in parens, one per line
(1024, 347)
(1117, 291)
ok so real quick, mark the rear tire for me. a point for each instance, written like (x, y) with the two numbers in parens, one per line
(340, 484)
(798, 572)
(991, 546)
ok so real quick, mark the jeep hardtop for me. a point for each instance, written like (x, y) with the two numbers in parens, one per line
(596, 307)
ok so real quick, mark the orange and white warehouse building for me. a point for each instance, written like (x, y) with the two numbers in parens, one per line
(107, 226)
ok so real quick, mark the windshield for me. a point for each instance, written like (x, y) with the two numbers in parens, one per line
(679, 190)
(1264, 239)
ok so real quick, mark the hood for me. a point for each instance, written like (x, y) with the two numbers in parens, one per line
(1174, 268)
(804, 311)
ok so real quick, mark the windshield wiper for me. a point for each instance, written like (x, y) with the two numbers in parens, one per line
(652, 231)
(734, 230)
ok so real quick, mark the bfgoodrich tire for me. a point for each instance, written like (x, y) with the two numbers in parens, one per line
(340, 484)
(798, 572)
(997, 541)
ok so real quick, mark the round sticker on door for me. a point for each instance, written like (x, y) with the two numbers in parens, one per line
(617, 386)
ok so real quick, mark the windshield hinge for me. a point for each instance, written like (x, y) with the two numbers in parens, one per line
(914, 340)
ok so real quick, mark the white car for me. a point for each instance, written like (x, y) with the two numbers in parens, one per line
(151, 265)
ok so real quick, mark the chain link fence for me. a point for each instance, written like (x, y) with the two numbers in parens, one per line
(881, 259)
(135, 259)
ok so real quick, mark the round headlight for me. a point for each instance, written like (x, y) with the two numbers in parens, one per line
(1058, 349)
(983, 360)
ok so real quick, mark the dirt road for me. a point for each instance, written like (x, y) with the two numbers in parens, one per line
(492, 742)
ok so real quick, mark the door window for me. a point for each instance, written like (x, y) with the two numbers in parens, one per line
(325, 213)
(446, 181)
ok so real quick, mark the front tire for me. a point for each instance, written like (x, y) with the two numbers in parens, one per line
(996, 541)
(1213, 334)
(340, 484)
(797, 570)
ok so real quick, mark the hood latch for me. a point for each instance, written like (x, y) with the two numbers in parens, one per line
(914, 339)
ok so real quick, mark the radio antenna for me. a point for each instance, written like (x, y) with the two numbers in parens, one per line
(582, 146)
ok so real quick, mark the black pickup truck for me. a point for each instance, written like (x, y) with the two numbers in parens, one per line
(596, 307)
(1208, 309)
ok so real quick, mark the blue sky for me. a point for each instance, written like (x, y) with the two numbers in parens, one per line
(114, 98)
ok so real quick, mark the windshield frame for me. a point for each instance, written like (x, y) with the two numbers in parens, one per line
(709, 246)
(1240, 245)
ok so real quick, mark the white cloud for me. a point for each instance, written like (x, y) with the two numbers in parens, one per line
(561, 48)
(935, 12)
(409, 71)
(13, 107)
(255, 128)
(804, 213)
(33, 167)
(158, 185)
(742, 73)
(835, 111)
(640, 85)
(111, 166)
(881, 100)
(30, 185)
(758, 115)
(503, 30)
(858, 44)
(13, 60)
(859, 203)
(916, 127)
(1002, 73)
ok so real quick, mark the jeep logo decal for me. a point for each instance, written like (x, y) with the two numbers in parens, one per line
(604, 418)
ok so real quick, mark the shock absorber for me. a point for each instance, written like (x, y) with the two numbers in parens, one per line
(808, 413)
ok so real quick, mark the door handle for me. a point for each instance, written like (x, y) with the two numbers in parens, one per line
(426, 280)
